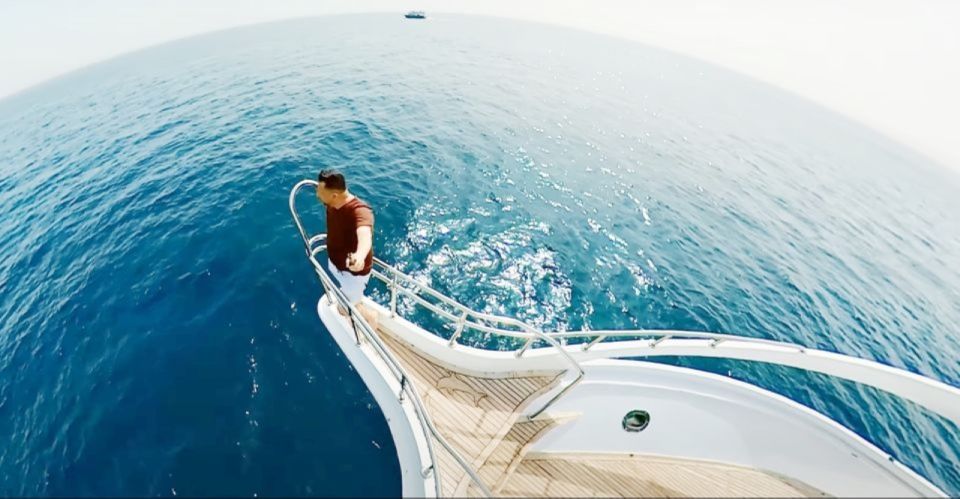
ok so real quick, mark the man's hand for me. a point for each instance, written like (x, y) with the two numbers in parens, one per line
(354, 263)
(356, 259)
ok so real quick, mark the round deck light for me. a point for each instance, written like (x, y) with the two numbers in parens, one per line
(636, 420)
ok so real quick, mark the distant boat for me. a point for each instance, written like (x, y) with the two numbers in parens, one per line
(416, 14)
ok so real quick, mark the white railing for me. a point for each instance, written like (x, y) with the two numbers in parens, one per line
(936, 396)
(659, 336)
(465, 318)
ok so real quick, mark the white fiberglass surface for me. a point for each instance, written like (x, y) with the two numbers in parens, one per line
(697, 415)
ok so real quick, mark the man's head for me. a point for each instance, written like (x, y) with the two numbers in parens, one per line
(332, 189)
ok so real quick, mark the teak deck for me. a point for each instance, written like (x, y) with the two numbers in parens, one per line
(483, 419)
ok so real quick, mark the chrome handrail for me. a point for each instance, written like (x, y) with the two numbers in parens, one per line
(313, 247)
(866, 371)
(463, 322)
(599, 336)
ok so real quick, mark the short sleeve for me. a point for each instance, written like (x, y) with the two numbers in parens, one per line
(363, 216)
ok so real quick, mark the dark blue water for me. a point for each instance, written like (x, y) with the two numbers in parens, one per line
(157, 323)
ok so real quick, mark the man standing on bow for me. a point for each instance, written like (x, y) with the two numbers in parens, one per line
(349, 239)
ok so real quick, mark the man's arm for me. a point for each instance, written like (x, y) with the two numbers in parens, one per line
(356, 259)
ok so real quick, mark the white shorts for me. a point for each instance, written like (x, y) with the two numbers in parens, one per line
(351, 285)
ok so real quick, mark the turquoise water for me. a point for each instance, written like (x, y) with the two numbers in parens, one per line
(157, 323)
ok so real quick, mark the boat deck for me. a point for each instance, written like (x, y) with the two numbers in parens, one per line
(482, 419)
(592, 475)
(477, 416)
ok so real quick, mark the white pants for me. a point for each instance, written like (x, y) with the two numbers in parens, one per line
(351, 285)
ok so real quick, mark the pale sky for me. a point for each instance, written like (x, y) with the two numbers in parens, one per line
(893, 65)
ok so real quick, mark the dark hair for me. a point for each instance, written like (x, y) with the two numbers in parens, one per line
(332, 179)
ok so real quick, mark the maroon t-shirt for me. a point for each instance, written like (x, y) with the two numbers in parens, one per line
(342, 226)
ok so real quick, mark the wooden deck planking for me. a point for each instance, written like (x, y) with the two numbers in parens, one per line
(480, 417)
(473, 413)
(625, 475)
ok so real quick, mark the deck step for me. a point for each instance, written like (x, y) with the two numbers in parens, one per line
(474, 414)
(510, 450)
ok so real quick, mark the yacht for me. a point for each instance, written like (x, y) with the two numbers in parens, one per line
(575, 413)
(415, 14)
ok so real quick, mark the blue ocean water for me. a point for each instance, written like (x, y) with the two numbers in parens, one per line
(157, 325)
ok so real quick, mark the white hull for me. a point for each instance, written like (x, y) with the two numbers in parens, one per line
(408, 440)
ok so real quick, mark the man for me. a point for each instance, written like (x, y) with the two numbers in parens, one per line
(349, 239)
